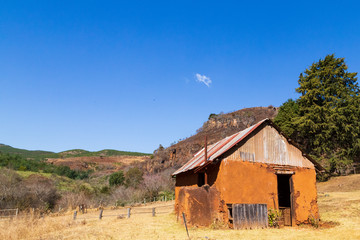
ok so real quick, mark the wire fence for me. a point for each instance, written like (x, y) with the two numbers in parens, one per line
(125, 212)
(150, 200)
(9, 213)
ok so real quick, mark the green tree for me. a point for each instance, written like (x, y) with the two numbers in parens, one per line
(325, 118)
(284, 119)
(133, 177)
(116, 178)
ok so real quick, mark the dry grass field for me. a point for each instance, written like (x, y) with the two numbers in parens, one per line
(339, 202)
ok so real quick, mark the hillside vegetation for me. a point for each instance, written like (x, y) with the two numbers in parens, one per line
(68, 162)
(37, 179)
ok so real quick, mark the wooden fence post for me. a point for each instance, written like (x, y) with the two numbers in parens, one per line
(100, 216)
(153, 212)
(128, 212)
(17, 211)
(75, 213)
(185, 224)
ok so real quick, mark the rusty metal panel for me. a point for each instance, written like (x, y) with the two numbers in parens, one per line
(268, 146)
(249, 216)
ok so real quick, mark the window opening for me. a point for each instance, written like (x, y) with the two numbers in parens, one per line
(201, 179)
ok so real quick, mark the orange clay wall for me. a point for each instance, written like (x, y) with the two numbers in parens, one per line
(305, 195)
(242, 182)
(201, 205)
(245, 182)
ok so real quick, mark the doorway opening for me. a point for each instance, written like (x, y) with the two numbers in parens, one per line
(284, 198)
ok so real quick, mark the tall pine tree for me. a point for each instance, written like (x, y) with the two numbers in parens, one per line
(327, 117)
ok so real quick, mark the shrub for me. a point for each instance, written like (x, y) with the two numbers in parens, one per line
(274, 217)
(35, 191)
(133, 177)
(313, 221)
(105, 190)
(40, 192)
(116, 178)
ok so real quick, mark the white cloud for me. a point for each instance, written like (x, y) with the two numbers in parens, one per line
(204, 79)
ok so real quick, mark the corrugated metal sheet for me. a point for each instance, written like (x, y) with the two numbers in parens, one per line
(268, 146)
(217, 149)
(250, 216)
(271, 147)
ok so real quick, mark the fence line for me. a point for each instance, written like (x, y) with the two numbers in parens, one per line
(6, 213)
(152, 200)
(138, 210)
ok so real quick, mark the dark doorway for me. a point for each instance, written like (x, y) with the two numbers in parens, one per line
(284, 190)
(284, 198)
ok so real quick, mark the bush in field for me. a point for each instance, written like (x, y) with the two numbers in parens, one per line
(133, 177)
(35, 191)
(159, 185)
(116, 179)
(73, 199)
(105, 190)
(9, 181)
(41, 192)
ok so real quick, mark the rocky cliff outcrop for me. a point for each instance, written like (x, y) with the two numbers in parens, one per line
(217, 127)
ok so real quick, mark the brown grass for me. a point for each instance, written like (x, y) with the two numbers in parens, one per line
(340, 214)
(340, 184)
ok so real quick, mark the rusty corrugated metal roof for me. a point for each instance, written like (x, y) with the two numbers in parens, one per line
(217, 149)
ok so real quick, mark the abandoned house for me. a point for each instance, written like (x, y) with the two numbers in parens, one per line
(240, 178)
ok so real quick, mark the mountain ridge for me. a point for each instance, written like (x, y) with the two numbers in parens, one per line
(41, 154)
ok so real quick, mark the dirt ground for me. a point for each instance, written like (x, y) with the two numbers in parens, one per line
(339, 211)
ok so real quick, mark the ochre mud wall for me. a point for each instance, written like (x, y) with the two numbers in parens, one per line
(245, 182)
(201, 205)
(184, 180)
(305, 195)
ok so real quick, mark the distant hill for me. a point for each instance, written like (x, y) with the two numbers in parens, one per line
(100, 162)
(217, 127)
(33, 154)
(102, 153)
(39, 154)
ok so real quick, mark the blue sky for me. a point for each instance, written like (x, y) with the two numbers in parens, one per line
(123, 74)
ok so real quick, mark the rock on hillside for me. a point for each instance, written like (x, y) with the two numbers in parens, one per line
(216, 128)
